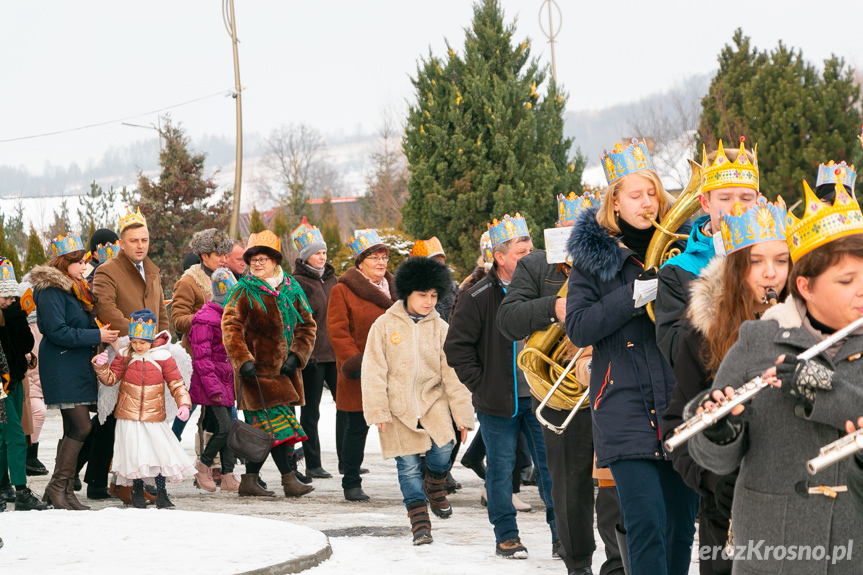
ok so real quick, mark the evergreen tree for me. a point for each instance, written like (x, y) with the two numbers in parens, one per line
(60, 225)
(256, 224)
(97, 209)
(481, 141)
(10, 253)
(798, 117)
(179, 203)
(35, 251)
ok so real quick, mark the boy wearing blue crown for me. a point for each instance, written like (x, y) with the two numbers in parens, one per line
(484, 360)
(727, 178)
(532, 304)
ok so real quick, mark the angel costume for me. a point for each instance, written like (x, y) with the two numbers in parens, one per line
(150, 385)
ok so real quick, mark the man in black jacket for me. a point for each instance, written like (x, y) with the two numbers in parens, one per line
(484, 361)
(17, 341)
(531, 304)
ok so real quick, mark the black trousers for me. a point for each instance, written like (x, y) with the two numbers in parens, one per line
(570, 464)
(101, 452)
(314, 376)
(218, 443)
(353, 448)
(712, 533)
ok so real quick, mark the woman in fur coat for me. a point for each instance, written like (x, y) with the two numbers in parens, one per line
(269, 333)
(630, 381)
(362, 295)
(728, 292)
(67, 320)
(412, 395)
(809, 523)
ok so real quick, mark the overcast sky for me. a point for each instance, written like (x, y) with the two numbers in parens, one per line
(337, 65)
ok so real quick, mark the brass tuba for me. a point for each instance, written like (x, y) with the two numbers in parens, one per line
(687, 204)
(551, 381)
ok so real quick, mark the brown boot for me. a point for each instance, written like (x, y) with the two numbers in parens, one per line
(121, 492)
(60, 492)
(434, 486)
(249, 487)
(418, 513)
(293, 486)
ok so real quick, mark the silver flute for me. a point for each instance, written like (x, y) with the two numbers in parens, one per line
(836, 451)
(698, 423)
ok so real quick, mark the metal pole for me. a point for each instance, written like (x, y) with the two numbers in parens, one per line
(228, 17)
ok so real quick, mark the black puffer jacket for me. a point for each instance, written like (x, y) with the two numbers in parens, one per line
(317, 290)
(530, 297)
(480, 354)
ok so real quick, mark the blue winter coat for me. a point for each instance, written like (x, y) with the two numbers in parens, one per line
(70, 340)
(630, 382)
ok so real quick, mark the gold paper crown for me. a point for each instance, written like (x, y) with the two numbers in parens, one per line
(725, 173)
(822, 222)
(266, 239)
(131, 218)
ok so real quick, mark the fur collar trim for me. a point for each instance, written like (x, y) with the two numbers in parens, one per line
(593, 249)
(45, 276)
(363, 288)
(704, 292)
(786, 314)
(199, 276)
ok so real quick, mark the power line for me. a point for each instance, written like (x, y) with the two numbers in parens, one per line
(219, 93)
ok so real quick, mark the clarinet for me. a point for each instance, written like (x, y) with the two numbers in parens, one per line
(698, 423)
(836, 451)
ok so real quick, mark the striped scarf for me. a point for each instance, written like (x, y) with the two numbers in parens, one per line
(82, 292)
(253, 288)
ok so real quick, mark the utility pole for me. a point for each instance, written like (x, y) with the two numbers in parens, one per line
(551, 34)
(230, 26)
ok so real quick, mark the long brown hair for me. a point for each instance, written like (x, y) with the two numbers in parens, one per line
(734, 306)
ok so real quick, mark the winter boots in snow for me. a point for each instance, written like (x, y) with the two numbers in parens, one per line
(60, 491)
(418, 513)
(204, 476)
(33, 465)
(26, 501)
(138, 500)
(230, 483)
(251, 487)
(291, 483)
(511, 549)
(434, 486)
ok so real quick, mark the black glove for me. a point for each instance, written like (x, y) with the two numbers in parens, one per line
(648, 274)
(290, 366)
(723, 493)
(802, 379)
(248, 369)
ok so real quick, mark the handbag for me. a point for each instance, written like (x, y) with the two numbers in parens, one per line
(247, 441)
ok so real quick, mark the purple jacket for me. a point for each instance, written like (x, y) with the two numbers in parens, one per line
(212, 374)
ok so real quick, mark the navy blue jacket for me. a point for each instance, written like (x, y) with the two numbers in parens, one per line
(630, 381)
(70, 340)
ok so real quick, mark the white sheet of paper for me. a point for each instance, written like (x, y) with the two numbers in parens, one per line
(644, 291)
(555, 244)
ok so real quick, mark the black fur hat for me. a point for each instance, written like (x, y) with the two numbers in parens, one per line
(422, 274)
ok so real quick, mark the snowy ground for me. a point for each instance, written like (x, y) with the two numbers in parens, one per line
(366, 538)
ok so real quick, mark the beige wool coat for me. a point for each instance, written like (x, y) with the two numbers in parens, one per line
(407, 381)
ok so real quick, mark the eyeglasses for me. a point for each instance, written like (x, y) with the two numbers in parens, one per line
(378, 258)
(259, 261)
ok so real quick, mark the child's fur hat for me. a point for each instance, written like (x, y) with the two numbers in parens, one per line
(211, 240)
(422, 274)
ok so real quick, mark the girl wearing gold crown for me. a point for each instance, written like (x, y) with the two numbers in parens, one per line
(719, 303)
(630, 382)
(145, 446)
(807, 521)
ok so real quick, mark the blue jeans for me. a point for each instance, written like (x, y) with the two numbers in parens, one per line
(500, 435)
(659, 516)
(410, 475)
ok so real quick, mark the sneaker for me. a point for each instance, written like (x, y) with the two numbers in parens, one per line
(511, 549)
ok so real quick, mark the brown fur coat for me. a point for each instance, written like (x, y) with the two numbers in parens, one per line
(354, 306)
(252, 334)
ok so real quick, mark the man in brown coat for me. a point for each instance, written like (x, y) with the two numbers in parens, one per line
(125, 284)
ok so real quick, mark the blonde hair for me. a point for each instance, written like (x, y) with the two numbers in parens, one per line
(606, 216)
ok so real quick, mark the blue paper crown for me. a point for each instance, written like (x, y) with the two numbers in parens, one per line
(831, 173)
(223, 284)
(311, 235)
(568, 207)
(364, 240)
(622, 161)
(508, 228)
(765, 221)
(485, 248)
(107, 251)
(140, 329)
(67, 244)
(7, 272)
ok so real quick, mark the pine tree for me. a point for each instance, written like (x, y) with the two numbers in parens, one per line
(16, 239)
(35, 251)
(256, 224)
(10, 253)
(798, 117)
(481, 141)
(179, 203)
